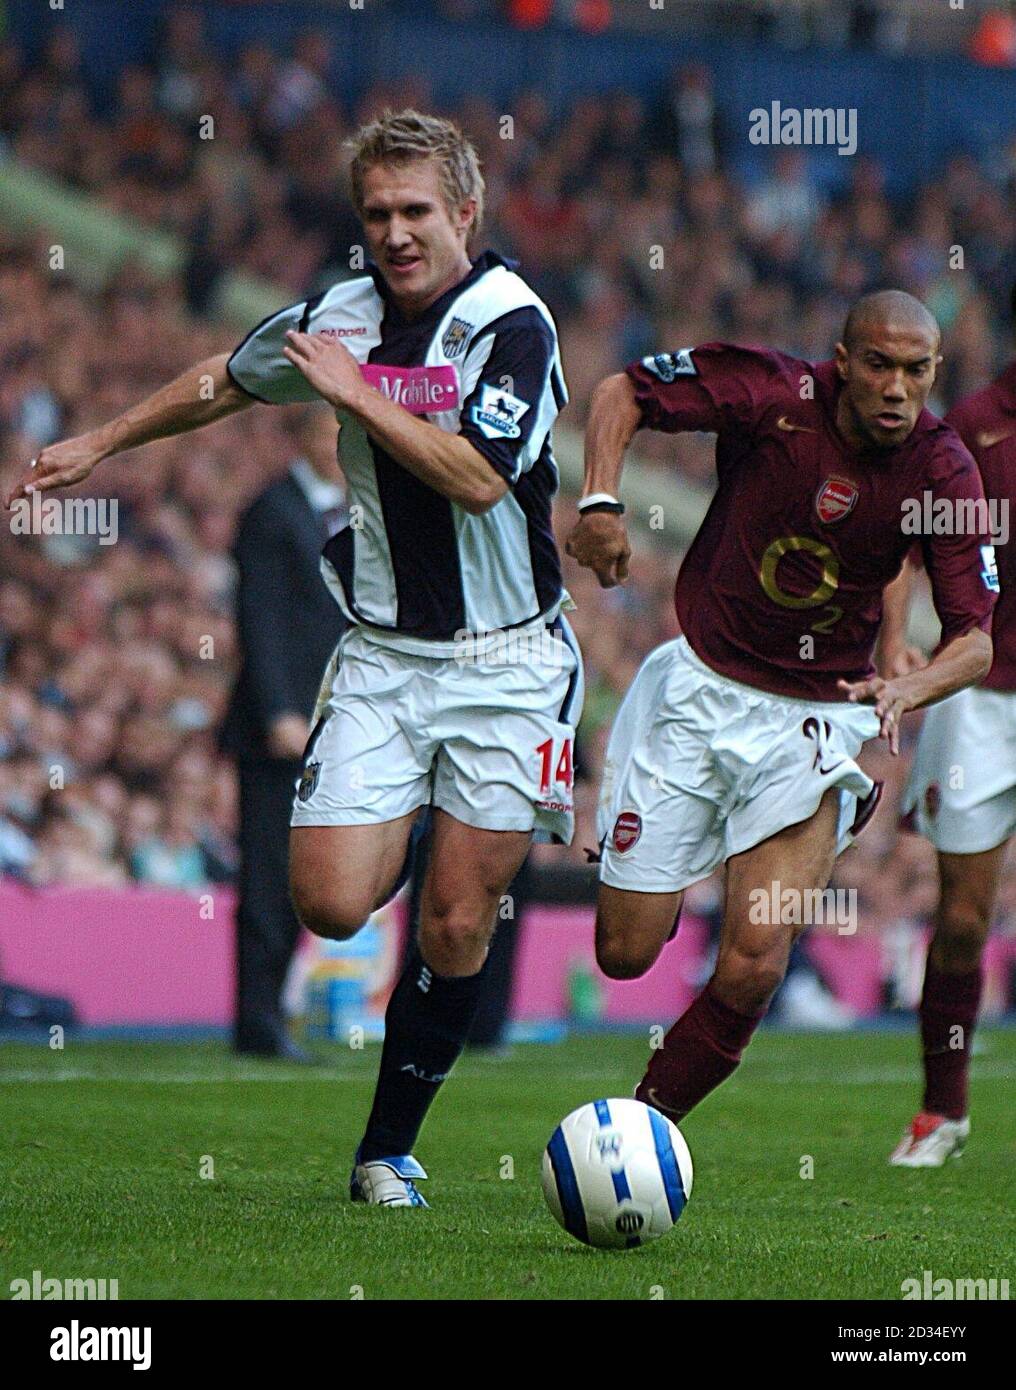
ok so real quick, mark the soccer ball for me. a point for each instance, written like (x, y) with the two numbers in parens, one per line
(616, 1174)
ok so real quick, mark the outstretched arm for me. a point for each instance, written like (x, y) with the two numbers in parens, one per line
(200, 395)
(893, 655)
(600, 540)
(963, 662)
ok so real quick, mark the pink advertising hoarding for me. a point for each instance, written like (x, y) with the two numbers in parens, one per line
(152, 957)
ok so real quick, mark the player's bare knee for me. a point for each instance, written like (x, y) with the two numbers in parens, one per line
(332, 916)
(747, 981)
(454, 946)
(960, 934)
(619, 956)
(619, 964)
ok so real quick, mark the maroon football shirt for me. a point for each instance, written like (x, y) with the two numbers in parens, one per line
(986, 422)
(782, 587)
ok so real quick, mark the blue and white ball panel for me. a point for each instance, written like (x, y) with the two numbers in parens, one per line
(616, 1173)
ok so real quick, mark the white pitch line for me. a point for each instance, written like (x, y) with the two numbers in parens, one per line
(170, 1078)
(982, 1070)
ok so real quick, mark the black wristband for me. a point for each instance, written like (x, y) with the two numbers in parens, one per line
(616, 507)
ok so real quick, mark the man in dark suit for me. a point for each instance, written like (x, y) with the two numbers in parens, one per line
(288, 626)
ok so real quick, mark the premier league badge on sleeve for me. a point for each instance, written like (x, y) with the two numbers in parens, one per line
(989, 569)
(668, 366)
(498, 413)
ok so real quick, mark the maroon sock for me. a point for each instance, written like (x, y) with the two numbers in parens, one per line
(701, 1050)
(948, 1014)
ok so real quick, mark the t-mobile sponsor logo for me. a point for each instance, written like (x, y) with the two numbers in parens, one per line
(420, 390)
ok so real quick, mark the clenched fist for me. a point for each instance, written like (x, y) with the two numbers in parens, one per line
(600, 542)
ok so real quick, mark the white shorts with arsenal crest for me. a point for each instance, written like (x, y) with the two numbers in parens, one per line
(700, 767)
(961, 793)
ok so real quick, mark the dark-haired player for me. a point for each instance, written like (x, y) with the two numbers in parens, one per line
(737, 742)
(962, 795)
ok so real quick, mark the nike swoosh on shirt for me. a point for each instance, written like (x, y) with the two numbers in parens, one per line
(784, 424)
(985, 440)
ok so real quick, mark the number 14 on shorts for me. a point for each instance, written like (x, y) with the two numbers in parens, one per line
(557, 774)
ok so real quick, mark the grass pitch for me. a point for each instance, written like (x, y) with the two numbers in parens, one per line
(105, 1144)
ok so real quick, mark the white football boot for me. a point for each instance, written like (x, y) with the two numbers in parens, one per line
(387, 1182)
(929, 1141)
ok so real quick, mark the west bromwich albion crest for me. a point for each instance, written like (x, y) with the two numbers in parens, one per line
(308, 782)
(456, 336)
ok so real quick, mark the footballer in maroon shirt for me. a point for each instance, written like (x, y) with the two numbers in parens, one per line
(737, 742)
(961, 799)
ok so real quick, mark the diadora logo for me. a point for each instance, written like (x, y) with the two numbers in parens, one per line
(420, 390)
(360, 332)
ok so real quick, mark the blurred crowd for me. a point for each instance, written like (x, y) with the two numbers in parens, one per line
(626, 215)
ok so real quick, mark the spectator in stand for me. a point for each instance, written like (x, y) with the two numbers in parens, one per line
(686, 123)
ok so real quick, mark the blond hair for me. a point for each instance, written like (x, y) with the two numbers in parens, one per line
(400, 136)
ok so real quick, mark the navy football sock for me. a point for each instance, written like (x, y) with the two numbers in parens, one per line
(426, 1025)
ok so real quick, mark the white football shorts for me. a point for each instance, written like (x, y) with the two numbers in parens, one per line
(961, 793)
(488, 738)
(700, 767)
